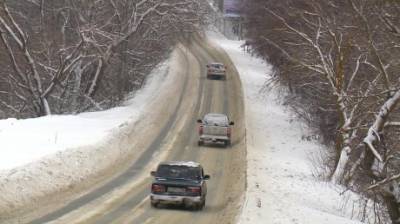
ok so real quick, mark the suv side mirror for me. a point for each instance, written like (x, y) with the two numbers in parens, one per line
(206, 177)
(208, 66)
(231, 123)
(199, 121)
(153, 173)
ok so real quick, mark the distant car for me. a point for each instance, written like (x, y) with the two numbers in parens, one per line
(179, 182)
(215, 127)
(216, 70)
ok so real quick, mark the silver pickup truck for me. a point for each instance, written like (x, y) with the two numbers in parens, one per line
(215, 128)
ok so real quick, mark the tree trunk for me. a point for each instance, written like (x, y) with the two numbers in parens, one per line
(368, 163)
(45, 107)
(342, 144)
(393, 208)
(337, 175)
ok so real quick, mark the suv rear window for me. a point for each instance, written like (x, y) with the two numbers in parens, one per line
(179, 172)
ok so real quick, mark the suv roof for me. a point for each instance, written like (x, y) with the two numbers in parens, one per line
(181, 163)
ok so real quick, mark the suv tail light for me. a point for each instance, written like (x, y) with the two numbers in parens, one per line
(157, 188)
(228, 132)
(200, 129)
(194, 190)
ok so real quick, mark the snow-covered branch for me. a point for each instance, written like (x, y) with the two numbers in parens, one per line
(376, 129)
(384, 181)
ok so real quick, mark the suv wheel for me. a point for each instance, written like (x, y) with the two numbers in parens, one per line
(200, 143)
(203, 204)
(200, 205)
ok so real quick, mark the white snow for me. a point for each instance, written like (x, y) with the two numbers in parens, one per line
(281, 186)
(281, 183)
(28, 140)
(44, 155)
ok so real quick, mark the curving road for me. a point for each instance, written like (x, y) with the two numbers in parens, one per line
(123, 198)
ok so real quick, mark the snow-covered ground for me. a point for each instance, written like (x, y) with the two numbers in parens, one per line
(281, 186)
(44, 155)
(27, 140)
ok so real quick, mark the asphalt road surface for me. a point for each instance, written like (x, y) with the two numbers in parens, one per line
(123, 197)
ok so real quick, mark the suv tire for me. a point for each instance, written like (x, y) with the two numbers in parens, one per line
(200, 205)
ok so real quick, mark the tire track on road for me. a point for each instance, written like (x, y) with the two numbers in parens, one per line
(130, 174)
(175, 155)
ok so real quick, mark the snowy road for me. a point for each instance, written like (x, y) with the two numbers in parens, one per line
(124, 197)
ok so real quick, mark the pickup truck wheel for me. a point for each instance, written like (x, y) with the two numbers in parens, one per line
(154, 204)
(226, 143)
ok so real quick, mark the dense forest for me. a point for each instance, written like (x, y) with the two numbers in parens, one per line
(339, 62)
(64, 56)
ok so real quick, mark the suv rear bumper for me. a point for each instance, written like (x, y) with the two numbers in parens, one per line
(216, 73)
(174, 199)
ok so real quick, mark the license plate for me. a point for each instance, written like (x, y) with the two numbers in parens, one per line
(176, 189)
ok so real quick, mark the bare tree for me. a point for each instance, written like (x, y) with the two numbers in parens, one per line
(70, 56)
(339, 60)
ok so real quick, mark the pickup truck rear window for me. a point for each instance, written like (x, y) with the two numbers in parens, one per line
(216, 120)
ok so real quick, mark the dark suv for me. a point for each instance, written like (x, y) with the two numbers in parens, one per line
(216, 70)
(179, 183)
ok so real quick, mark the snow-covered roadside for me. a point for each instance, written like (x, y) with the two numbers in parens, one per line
(281, 188)
(51, 134)
(63, 151)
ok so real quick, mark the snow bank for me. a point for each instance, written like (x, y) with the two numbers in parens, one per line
(281, 188)
(28, 140)
(44, 156)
